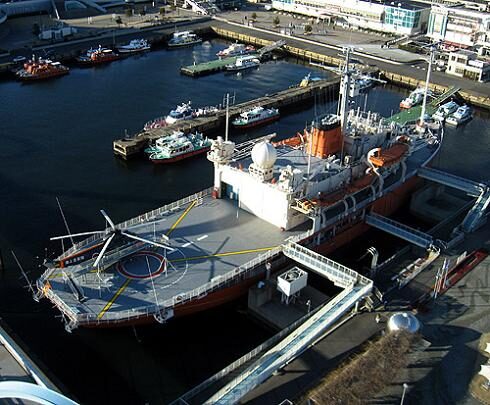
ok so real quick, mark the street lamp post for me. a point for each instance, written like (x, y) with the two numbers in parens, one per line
(405, 386)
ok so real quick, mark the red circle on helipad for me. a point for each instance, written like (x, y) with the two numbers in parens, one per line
(142, 265)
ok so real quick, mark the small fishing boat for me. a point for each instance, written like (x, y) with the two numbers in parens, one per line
(97, 56)
(256, 116)
(178, 147)
(235, 50)
(134, 46)
(414, 98)
(445, 111)
(182, 112)
(463, 114)
(184, 38)
(41, 69)
(243, 62)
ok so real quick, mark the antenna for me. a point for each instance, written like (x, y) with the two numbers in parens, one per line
(429, 69)
(29, 284)
(344, 91)
(227, 115)
(64, 220)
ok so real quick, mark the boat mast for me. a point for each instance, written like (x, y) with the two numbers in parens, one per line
(344, 91)
(227, 115)
(424, 102)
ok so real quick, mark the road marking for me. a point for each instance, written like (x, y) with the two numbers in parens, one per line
(176, 223)
(202, 237)
(238, 252)
(187, 244)
(113, 299)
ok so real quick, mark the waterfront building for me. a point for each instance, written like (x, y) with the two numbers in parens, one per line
(404, 18)
(464, 63)
(459, 27)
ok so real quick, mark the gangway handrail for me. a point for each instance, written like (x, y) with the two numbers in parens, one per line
(318, 263)
(473, 188)
(291, 347)
(245, 358)
(403, 231)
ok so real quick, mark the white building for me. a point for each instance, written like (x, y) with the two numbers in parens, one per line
(459, 27)
(464, 63)
(404, 18)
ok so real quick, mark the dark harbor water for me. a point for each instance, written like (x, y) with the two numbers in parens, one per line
(56, 141)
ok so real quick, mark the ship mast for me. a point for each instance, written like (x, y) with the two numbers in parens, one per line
(344, 91)
(429, 69)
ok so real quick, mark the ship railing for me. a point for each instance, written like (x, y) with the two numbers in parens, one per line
(145, 311)
(148, 216)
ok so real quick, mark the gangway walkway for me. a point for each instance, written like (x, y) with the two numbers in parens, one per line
(290, 347)
(307, 333)
(446, 95)
(271, 47)
(340, 275)
(477, 214)
(471, 187)
(403, 231)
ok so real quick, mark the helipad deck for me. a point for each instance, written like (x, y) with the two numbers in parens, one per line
(211, 237)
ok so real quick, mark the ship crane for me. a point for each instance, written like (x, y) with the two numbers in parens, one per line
(108, 236)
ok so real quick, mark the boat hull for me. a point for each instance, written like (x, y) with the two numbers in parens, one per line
(34, 78)
(180, 157)
(257, 123)
(131, 51)
(183, 45)
(96, 62)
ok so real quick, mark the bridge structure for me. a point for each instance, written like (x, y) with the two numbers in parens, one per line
(355, 288)
(477, 215)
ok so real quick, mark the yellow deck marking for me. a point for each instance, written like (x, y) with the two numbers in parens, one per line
(176, 223)
(238, 252)
(114, 298)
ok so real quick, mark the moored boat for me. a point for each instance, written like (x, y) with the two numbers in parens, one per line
(413, 99)
(463, 114)
(174, 148)
(236, 49)
(256, 116)
(183, 38)
(445, 111)
(134, 46)
(182, 112)
(41, 69)
(97, 56)
(243, 62)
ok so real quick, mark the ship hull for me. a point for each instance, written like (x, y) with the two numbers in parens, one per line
(385, 205)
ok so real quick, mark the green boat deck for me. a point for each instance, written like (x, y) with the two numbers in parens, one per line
(211, 66)
(413, 114)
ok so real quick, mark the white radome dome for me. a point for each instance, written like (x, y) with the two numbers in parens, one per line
(264, 155)
(404, 321)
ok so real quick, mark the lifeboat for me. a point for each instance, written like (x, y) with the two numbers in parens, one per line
(387, 157)
(294, 141)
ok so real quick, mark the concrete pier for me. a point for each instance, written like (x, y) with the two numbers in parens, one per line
(284, 99)
(16, 365)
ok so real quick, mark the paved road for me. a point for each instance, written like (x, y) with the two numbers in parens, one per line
(414, 70)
